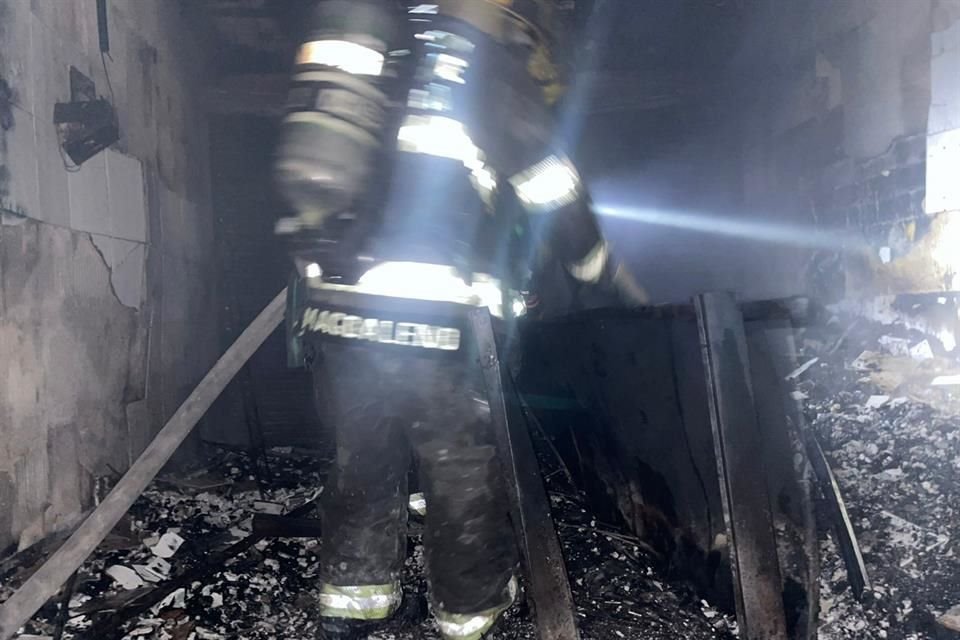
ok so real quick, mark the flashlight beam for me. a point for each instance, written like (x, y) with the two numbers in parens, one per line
(804, 236)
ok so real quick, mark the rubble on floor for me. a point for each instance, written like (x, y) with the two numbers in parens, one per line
(618, 582)
(618, 589)
(892, 437)
(181, 527)
(177, 526)
(882, 401)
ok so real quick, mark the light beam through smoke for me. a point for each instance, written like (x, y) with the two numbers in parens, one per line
(754, 229)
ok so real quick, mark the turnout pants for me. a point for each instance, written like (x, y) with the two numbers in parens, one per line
(386, 406)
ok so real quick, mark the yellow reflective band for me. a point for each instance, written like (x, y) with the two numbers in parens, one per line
(549, 184)
(427, 282)
(347, 56)
(366, 602)
(590, 268)
(405, 334)
(444, 137)
(418, 504)
(450, 68)
(466, 626)
(438, 136)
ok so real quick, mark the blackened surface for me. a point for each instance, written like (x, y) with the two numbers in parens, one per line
(620, 583)
(545, 570)
(7, 497)
(622, 396)
(740, 462)
(270, 591)
(6, 123)
(788, 471)
(273, 401)
(640, 435)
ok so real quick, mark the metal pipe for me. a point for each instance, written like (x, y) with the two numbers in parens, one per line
(58, 568)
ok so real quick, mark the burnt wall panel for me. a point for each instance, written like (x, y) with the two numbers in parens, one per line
(623, 397)
(642, 426)
(837, 139)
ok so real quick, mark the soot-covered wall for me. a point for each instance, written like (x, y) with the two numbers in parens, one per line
(810, 150)
(845, 111)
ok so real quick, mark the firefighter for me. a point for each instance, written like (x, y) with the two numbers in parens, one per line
(416, 152)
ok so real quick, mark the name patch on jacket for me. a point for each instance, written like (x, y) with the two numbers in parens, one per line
(410, 334)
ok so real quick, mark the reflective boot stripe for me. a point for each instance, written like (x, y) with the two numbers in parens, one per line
(460, 627)
(418, 504)
(367, 602)
(466, 626)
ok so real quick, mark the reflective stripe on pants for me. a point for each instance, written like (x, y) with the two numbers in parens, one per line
(366, 602)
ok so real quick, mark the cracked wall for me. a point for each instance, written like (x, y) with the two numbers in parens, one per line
(107, 302)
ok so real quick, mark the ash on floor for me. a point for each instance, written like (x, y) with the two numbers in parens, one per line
(891, 431)
(617, 589)
(268, 589)
(618, 585)
(177, 526)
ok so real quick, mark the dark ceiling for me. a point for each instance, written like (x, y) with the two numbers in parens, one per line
(634, 55)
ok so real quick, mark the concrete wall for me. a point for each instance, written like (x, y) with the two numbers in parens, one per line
(107, 309)
(943, 143)
(833, 99)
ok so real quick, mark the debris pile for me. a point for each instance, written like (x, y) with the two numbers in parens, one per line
(619, 589)
(618, 582)
(880, 404)
(184, 562)
(189, 562)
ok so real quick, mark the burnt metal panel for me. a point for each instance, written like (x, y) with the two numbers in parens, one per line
(740, 462)
(546, 570)
(789, 474)
(640, 443)
(622, 396)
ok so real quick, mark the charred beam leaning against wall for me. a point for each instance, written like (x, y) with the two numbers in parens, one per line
(546, 570)
(739, 452)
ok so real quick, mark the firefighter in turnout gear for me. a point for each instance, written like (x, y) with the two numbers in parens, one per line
(416, 153)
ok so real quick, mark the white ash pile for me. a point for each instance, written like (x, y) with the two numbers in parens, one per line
(186, 564)
(884, 402)
(178, 529)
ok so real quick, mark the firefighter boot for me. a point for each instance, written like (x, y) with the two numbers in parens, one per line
(472, 626)
(352, 612)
